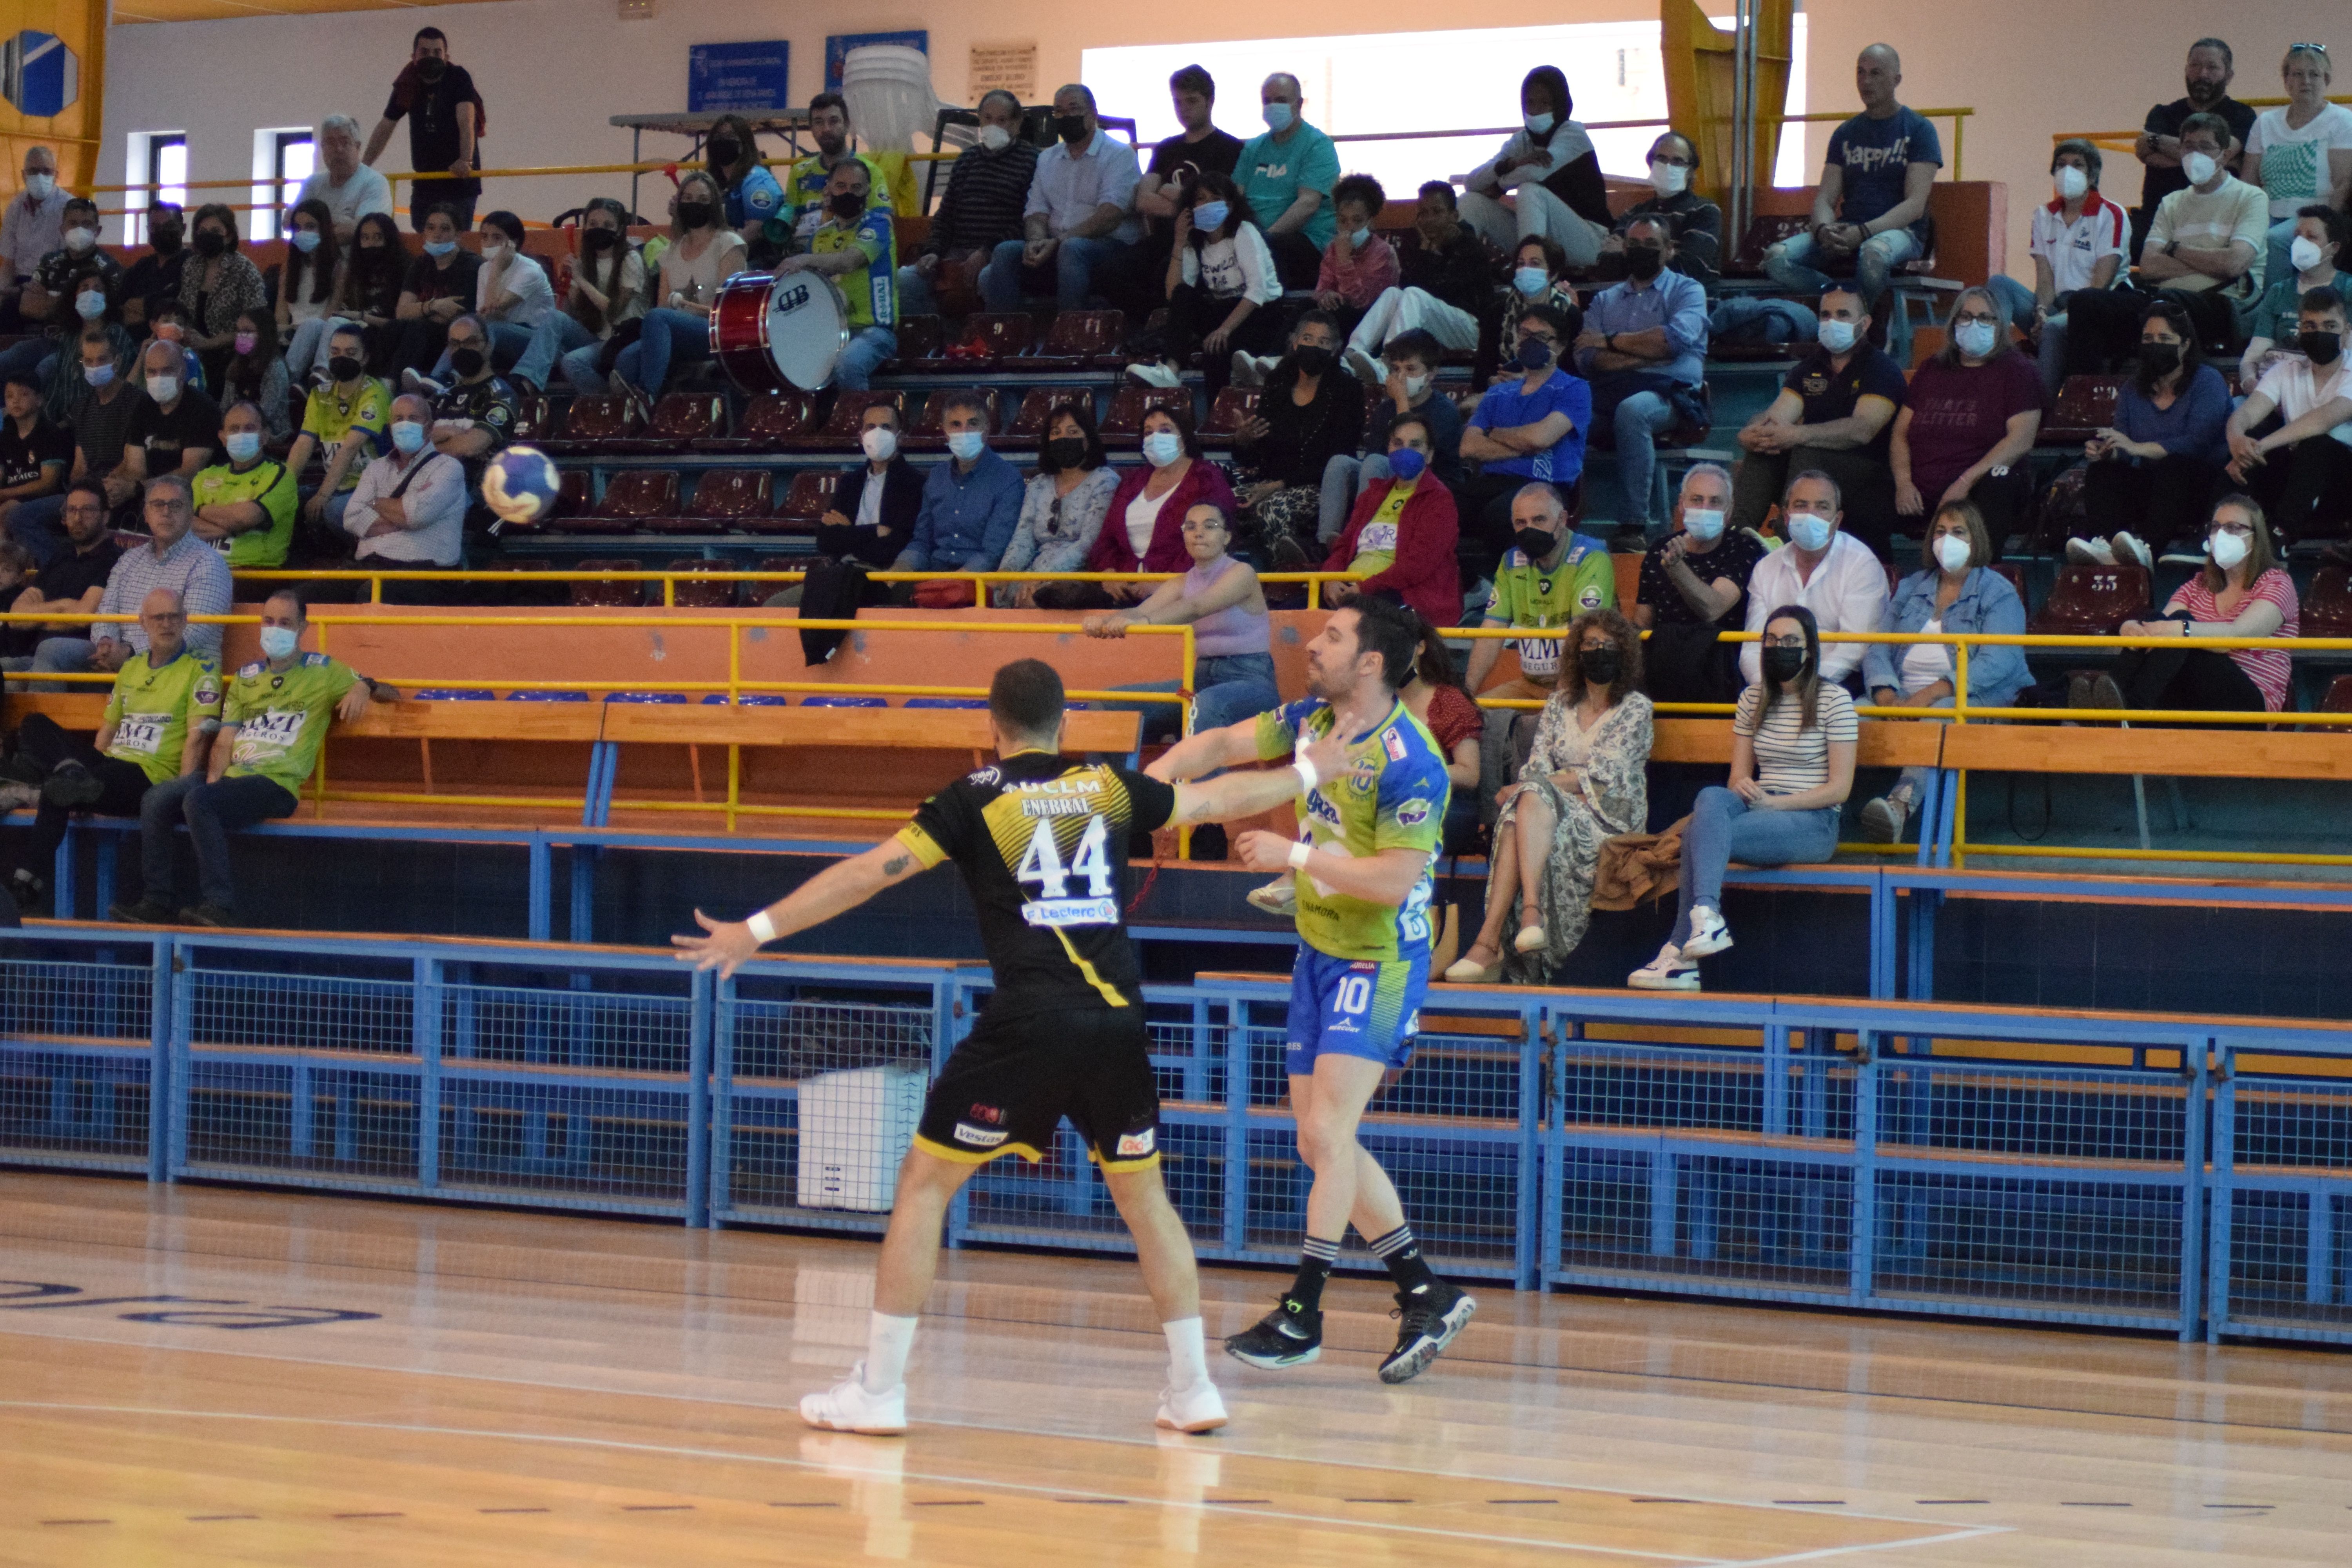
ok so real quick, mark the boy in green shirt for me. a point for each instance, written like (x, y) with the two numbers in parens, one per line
(244, 507)
(273, 721)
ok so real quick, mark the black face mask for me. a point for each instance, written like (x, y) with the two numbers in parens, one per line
(1784, 664)
(2159, 359)
(724, 153)
(598, 240)
(343, 367)
(1070, 128)
(1644, 262)
(211, 242)
(166, 241)
(1312, 359)
(467, 361)
(1066, 451)
(1602, 664)
(848, 206)
(2321, 348)
(431, 68)
(1536, 542)
(696, 215)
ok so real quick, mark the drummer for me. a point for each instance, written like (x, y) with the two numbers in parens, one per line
(854, 245)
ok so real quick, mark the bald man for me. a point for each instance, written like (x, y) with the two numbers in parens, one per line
(1287, 171)
(1870, 215)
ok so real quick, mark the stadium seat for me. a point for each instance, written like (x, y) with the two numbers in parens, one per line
(769, 420)
(571, 496)
(1235, 406)
(749, 699)
(1078, 339)
(641, 697)
(2339, 696)
(592, 424)
(919, 340)
(2327, 607)
(1037, 409)
(1130, 404)
(635, 496)
(680, 420)
(1765, 230)
(609, 594)
(839, 431)
(450, 694)
(925, 434)
(947, 702)
(535, 420)
(701, 594)
(851, 699)
(2092, 601)
(2015, 575)
(808, 499)
(2085, 405)
(546, 697)
(723, 498)
(991, 337)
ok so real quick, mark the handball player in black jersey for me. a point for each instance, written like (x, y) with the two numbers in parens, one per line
(1041, 841)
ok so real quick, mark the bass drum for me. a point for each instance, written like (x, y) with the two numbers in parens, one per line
(776, 332)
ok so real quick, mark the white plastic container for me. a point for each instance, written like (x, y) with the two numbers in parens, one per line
(855, 1127)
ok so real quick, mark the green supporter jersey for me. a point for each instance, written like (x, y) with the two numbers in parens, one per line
(269, 485)
(871, 291)
(151, 708)
(1526, 596)
(281, 719)
(1393, 797)
(330, 417)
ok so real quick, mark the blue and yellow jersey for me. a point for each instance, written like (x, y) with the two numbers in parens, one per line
(1393, 797)
(872, 291)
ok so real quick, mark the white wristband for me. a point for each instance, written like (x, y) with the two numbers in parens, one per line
(1298, 853)
(1308, 777)
(763, 930)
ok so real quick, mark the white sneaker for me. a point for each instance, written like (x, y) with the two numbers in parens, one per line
(1883, 819)
(1197, 1410)
(1370, 371)
(1708, 935)
(2090, 552)
(1279, 897)
(2128, 548)
(846, 1407)
(1156, 374)
(1248, 370)
(410, 381)
(1670, 971)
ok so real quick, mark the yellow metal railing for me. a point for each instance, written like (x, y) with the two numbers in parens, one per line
(1958, 117)
(982, 581)
(2128, 141)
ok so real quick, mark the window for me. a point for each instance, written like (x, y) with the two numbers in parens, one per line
(283, 159)
(157, 167)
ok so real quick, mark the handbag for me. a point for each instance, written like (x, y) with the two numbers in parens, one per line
(945, 594)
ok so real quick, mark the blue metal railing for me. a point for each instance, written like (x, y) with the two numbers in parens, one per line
(2128, 1170)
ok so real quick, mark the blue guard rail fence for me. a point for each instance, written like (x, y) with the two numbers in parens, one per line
(2181, 1174)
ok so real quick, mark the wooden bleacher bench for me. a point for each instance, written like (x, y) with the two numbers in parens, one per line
(2248, 753)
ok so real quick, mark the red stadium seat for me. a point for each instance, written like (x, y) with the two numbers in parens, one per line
(723, 498)
(1130, 404)
(2085, 405)
(680, 420)
(839, 432)
(687, 593)
(809, 499)
(1038, 409)
(535, 420)
(593, 425)
(2328, 608)
(919, 340)
(616, 596)
(2092, 601)
(768, 421)
(1235, 407)
(927, 435)
(635, 495)
(1077, 338)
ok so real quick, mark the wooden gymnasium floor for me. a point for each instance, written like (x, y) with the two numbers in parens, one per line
(177, 1386)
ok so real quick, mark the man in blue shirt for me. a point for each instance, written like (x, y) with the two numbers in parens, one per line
(1528, 429)
(971, 502)
(1871, 211)
(1081, 213)
(1644, 348)
(1288, 172)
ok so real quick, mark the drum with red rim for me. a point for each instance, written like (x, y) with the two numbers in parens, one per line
(774, 331)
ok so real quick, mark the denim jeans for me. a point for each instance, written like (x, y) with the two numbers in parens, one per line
(915, 295)
(1074, 265)
(671, 339)
(1345, 478)
(35, 525)
(1637, 420)
(210, 810)
(868, 348)
(557, 334)
(62, 656)
(306, 350)
(1724, 828)
(1790, 263)
(25, 358)
(1745, 319)
(1226, 689)
(2019, 302)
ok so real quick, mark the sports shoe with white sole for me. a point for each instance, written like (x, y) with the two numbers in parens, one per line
(1155, 372)
(2130, 547)
(1279, 897)
(1882, 818)
(1431, 1316)
(1199, 1409)
(1367, 370)
(1249, 370)
(2090, 552)
(1290, 1335)
(1670, 971)
(1708, 935)
(846, 1407)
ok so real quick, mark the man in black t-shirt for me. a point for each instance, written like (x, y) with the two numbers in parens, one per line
(72, 583)
(34, 455)
(174, 427)
(2209, 70)
(1692, 588)
(1041, 842)
(154, 277)
(444, 128)
(1138, 280)
(1835, 413)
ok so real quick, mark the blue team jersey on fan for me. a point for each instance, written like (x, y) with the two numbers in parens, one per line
(872, 290)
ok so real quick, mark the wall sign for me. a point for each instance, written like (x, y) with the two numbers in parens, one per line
(747, 78)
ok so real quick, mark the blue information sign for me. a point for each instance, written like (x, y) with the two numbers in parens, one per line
(837, 47)
(745, 78)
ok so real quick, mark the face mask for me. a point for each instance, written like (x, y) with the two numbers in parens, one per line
(1974, 338)
(343, 367)
(467, 361)
(1807, 532)
(211, 242)
(1407, 463)
(1782, 665)
(1538, 125)
(279, 642)
(2305, 252)
(40, 187)
(1530, 280)
(97, 375)
(2320, 348)
(495, 250)
(305, 241)
(881, 443)
(1644, 262)
(599, 239)
(2227, 550)
(2159, 360)
(1702, 524)
(1312, 359)
(432, 247)
(1066, 451)
(162, 388)
(166, 239)
(89, 306)
(966, 444)
(2199, 167)
(1278, 116)
(1952, 551)
(81, 238)
(1415, 385)
(1162, 447)
(1534, 353)
(1536, 542)
(697, 215)
(1210, 217)
(431, 69)
(1359, 237)
(995, 138)
(244, 446)
(848, 206)
(244, 341)
(2071, 182)
(1600, 665)
(1669, 179)
(408, 436)
(724, 151)
(1070, 128)
(1837, 336)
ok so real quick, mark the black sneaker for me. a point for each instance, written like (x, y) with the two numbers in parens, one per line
(1432, 1315)
(71, 786)
(145, 912)
(211, 915)
(1290, 1335)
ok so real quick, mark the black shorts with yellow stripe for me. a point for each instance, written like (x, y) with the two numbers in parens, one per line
(1005, 1090)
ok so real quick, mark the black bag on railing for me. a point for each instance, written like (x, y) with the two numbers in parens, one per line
(831, 591)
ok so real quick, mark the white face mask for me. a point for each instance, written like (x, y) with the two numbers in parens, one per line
(162, 388)
(1703, 524)
(2304, 253)
(1808, 531)
(1360, 238)
(81, 238)
(1415, 385)
(40, 187)
(995, 138)
(1669, 179)
(881, 443)
(2227, 550)
(1162, 447)
(2199, 167)
(1975, 338)
(1538, 124)
(1836, 336)
(1952, 551)
(2069, 182)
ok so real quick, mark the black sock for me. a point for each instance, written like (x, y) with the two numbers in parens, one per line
(1316, 1256)
(1402, 1252)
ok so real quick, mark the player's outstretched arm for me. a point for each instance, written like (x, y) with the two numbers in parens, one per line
(1206, 752)
(1234, 795)
(1387, 878)
(838, 888)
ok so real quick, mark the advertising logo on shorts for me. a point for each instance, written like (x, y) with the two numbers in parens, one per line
(980, 1136)
(1136, 1145)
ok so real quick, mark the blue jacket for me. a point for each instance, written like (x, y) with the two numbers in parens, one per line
(1987, 604)
(967, 518)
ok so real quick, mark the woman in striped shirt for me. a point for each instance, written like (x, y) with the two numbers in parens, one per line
(1792, 744)
(2242, 592)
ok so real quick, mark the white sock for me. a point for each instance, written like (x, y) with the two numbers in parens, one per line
(1188, 1363)
(887, 1340)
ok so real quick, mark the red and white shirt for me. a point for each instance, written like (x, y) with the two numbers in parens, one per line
(2073, 249)
(2265, 667)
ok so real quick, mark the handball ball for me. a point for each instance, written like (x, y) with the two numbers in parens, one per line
(520, 485)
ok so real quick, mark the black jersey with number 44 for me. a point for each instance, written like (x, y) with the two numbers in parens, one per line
(1042, 843)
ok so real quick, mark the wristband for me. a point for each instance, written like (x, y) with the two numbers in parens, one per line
(1298, 853)
(1308, 777)
(763, 930)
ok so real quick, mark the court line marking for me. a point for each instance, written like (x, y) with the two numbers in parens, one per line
(1221, 1444)
(901, 1477)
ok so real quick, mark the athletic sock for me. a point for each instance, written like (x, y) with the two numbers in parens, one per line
(887, 1340)
(1316, 1256)
(1188, 1362)
(1402, 1252)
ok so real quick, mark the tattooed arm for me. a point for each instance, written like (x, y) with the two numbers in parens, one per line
(838, 888)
